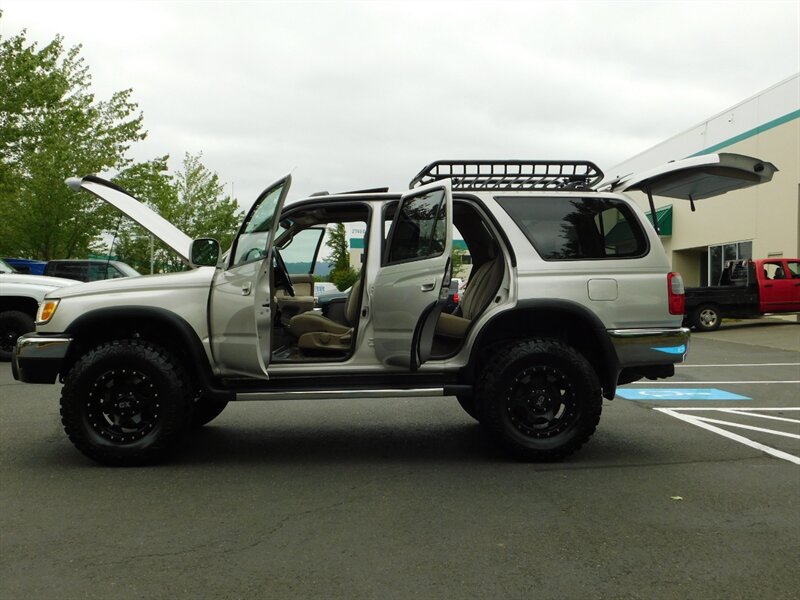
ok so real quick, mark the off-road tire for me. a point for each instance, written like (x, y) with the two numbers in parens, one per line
(206, 410)
(126, 403)
(13, 323)
(706, 318)
(539, 400)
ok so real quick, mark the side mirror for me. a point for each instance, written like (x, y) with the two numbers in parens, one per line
(204, 252)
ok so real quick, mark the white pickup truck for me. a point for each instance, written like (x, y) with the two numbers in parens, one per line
(20, 296)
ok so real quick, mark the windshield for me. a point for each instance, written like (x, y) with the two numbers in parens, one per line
(6, 268)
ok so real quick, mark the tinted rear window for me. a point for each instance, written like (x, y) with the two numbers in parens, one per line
(577, 228)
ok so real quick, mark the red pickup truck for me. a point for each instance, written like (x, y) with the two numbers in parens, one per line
(747, 289)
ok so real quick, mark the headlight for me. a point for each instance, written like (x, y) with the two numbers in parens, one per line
(46, 311)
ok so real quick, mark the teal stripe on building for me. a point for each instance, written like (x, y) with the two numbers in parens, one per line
(752, 132)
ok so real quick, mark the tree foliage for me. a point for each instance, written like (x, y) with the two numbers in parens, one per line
(52, 127)
(192, 199)
(342, 274)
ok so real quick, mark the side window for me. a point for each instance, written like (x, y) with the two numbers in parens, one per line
(251, 245)
(774, 270)
(418, 231)
(577, 228)
(71, 271)
(794, 268)
(96, 272)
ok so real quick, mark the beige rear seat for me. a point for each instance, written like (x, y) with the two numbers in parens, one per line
(481, 287)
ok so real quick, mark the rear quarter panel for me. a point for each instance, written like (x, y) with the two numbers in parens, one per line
(624, 293)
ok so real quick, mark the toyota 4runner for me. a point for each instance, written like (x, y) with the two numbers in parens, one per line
(570, 294)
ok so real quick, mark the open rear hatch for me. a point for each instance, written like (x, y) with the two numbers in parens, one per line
(695, 178)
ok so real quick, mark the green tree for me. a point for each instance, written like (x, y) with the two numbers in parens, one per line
(51, 127)
(342, 274)
(192, 199)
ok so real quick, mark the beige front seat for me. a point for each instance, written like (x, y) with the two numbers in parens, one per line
(481, 287)
(315, 332)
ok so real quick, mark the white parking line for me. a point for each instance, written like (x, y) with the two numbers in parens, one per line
(753, 413)
(670, 382)
(741, 365)
(705, 424)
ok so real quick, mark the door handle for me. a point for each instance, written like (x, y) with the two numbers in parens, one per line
(246, 289)
(428, 287)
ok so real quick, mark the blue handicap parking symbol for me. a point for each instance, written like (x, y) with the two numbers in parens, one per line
(658, 394)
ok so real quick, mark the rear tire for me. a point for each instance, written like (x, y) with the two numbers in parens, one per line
(126, 403)
(706, 318)
(13, 323)
(539, 400)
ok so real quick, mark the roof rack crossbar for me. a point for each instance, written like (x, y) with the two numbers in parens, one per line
(510, 175)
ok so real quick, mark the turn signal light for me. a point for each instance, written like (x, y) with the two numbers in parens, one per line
(46, 311)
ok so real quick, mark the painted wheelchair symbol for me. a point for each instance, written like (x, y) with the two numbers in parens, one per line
(673, 394)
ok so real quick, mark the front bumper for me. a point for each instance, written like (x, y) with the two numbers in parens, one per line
(643, 347)
(38, 357)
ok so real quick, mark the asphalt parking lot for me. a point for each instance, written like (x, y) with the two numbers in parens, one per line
(404, 498)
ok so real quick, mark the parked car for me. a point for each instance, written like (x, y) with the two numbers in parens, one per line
(453, 296)
(747, 289)
(26, 265)
(20, 295)
(89, 269)
(570, 295)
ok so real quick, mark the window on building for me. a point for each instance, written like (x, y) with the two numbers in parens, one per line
(719, 254)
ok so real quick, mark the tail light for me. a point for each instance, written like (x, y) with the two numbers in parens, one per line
(676, 291)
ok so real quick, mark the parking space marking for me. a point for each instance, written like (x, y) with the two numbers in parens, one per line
(741, 365)
(684, 394)
(714, 382)
(684, 414)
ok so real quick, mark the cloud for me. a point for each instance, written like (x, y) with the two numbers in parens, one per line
(351, 95)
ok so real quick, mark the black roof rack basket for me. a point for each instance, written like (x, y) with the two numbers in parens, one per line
(511, 175)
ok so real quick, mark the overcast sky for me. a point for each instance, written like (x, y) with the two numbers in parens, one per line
(349, 95)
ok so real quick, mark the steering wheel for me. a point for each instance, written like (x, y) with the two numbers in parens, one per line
(282, 276)
(253, 254)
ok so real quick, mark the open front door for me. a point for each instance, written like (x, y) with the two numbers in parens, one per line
(412, 284)
(240, 307)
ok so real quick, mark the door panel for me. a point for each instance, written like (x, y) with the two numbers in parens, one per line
(779, 290)
(240, 308)
(412, 284)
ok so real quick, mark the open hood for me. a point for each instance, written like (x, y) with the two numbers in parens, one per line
(697, 177)
(130, 206)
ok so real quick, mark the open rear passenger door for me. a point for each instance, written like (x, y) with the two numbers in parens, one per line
(412, 285)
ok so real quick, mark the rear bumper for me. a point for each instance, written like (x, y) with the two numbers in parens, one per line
(645, 347)
(38, 357)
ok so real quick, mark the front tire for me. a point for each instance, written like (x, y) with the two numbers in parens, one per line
(706, 318)
(13, 323)
(126, 403)
(539, 400)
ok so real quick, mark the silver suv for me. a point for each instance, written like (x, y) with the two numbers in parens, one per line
(570, 294)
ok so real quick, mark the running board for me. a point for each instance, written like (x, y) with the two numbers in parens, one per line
(339, 394)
